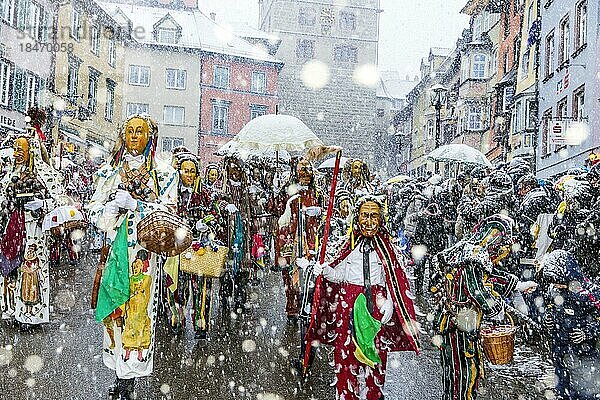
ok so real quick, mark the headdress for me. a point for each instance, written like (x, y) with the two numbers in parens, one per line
(149, 151)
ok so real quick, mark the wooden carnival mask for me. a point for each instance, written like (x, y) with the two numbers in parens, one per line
(369, 218)
(137, 135)
(188, 173)
(304, 172)
(21, 151)
(213, 175)
(356, 169)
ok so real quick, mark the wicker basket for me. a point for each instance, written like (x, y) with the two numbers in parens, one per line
(69, 226)
(164, 233)
(204, 261)
(499, 342)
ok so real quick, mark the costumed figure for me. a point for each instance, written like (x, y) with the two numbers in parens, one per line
(212, 178)
(573, 319)
(234, 284)
(30, 190)
(362, 306)
(194, 204)
(297, 235)
(129, 188)
(357, 178)
(259, 202)
(468, 286)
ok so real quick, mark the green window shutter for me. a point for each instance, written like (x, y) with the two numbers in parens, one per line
(19, 90)
(22, 8)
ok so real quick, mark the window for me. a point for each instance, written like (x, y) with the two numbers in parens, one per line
(516, 46)
(578, 103)
(221, 78)
(494, 61)
(345, 54)
(95, 40)
(561, 109)
(545, 143)
(32, 91)
(530, 114)
(136, 108)
(257, 110)
(474, 118)
(565, 37)
(33, 20)
(139, 75)
(305, 48)
(505, 64)
(478, 69)
(550, 50)
(259, 82)
(5, 78)
(175, 78)
(112, 52)
(380, 113)
(430, 129)
(8, 11)
(75, 24)
(507, 98)
(167, 36)
(170, 143)
(220, 113)
(581, 22)
(110, 100)
(530, 17)
(173, 115)
(73, 79)
(93, 90)
(506, 22)
(525, 65)
(307, 16)
(347, 21)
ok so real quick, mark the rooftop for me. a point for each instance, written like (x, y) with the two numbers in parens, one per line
(392, 86)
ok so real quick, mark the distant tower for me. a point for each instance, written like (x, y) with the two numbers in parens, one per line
(343, 37)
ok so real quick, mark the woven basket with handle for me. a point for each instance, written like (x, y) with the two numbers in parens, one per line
(164, 233)
(204, 261)
(499, 342)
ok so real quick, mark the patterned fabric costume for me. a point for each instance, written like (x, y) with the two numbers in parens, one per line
(24, 250)
(129, 314)
(334, 320)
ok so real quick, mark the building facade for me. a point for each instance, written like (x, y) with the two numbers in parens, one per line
(26, 70)
(568, 88)
(342, 37)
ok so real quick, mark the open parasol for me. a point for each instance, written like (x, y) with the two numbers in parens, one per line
(398, 179)
(460, 154)
(330, 163)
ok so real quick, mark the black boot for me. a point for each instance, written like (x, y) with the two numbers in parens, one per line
(126, 387)
(113, 390)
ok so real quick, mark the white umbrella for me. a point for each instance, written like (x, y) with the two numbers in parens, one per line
(6, 152)
(232, 148)
(330, 163)
(60, 216)
(460, 154)
(272, 133)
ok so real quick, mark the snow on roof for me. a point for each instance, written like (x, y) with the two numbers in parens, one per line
(440, 51)
(244, 30)
(198, 31)
(392, 86)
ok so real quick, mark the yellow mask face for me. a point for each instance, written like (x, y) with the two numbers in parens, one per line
(213, 175)
(304, 172)
(21, 151)
(188, 173)
(137, 135)
(369, 219)
(356, 168)
(345, 208)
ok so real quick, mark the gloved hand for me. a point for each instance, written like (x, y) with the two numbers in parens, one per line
(231, 208)
(577, 336)
(201, 227)
(34, 204)
(500, 316)
(111, 208)
(526, 287)
(302, 263)
(387, 309)
(318, 269)
(124, 200)
(313, 211)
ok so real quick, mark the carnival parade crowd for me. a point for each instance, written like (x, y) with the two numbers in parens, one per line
(358, 257)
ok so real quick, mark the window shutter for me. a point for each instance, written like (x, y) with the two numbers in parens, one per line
(19, 95)
(23, 9)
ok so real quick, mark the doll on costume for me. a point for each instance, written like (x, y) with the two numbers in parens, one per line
(128, 188)
(362, 307)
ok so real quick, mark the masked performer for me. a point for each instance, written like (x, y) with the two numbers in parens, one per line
(212, 177)
(297, 236)
(29, 191)
(362, 307)
(235, 191)
(469, 287)
(194, 204)
(128, 189)
(357, 178)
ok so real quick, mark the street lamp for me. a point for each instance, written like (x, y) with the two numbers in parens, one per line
(437, 97)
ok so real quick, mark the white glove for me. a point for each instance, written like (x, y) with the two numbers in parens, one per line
(526, 287)
(302, 263)
(387, 309)
(577, 336)
(124, 200)
(34, 204)
(111, 208)
(313, 211)
(201, 226)
(231, 208)
(500, 316)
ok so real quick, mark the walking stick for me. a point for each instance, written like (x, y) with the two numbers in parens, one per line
(336, 169)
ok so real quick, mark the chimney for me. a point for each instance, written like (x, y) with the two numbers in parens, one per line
(213, 16)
